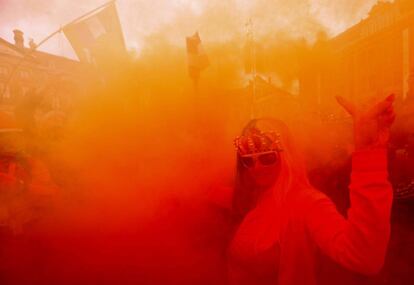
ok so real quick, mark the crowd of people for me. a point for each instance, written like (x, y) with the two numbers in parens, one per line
(281, 223)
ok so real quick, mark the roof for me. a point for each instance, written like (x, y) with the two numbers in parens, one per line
(9, 49)
(267, 88)
(382, 16)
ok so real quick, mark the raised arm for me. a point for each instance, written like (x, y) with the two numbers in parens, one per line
(359, 242)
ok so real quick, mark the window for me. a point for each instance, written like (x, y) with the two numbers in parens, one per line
(24, 74)
(4, 93)
(24, 90)
(3, 71)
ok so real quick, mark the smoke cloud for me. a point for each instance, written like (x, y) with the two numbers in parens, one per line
(142, 155)
(216, 20)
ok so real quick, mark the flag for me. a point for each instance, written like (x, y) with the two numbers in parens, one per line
(97, 36)
(197, 58)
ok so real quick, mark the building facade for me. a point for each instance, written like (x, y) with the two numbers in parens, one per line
(23, 73)
(369, 60)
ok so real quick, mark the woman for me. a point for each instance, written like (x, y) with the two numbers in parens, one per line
(282, 220)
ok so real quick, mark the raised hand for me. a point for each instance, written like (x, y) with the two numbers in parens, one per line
(372, 124)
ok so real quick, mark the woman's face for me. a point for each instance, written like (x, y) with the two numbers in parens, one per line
(262, 168)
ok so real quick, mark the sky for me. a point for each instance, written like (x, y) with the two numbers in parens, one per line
(216, 20)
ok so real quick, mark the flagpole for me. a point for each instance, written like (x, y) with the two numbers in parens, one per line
(27, 54)
(89, 13)
(253, 115)
(250, 37)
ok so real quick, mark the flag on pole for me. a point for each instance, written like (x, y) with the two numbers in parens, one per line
(97, 36)
(197, 58)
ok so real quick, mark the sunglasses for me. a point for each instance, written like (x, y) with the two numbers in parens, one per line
(264, 158)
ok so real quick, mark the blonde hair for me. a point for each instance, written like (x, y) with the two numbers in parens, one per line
(292, 175)
(267, 217)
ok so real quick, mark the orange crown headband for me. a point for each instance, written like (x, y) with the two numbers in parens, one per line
(258, 142)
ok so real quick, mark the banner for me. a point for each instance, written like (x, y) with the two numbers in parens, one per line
(197, 58)
(97, 36)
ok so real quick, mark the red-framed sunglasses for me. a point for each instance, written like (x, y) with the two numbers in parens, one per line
(267, 158)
